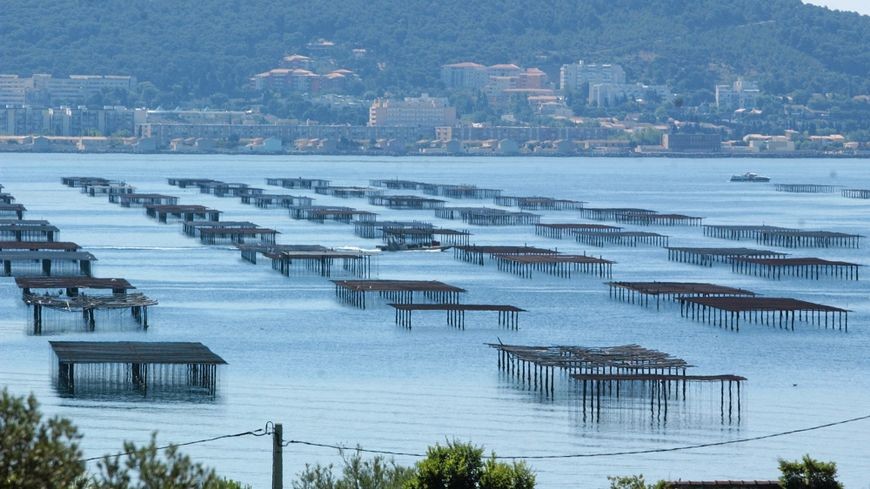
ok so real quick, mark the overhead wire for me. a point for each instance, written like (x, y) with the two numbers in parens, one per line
(256, 432)
(595, 454)
(269, 429)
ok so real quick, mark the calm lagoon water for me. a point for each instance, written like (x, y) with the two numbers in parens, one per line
(335, 374)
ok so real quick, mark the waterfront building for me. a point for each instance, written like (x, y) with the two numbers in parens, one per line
(692, 143)
(24, 120)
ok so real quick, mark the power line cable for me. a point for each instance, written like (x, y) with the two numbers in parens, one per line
(269, 429)
(597, 454)
(257, 432)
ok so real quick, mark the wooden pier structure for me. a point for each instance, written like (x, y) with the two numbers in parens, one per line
(83, 367)
(611, 213)
(111, 188)
(647, 219)
(626, 371)
(621, 238)
(192, 228)
(348, 192)
(188, 182)
(460, 191)
(560, 230)
(298, 182)
(477, 254)
(375, 229)
(142, 200)
(641, 292)
(47, 263)
(227, 189)
(706, 257)
(396, 184)
(395, 236)
(807, 188)
(320, 262)
(27, 230)
(558, 265)
(322, 213)
(855, 193)
(78, 182)
(508, 316)
(353, 292)
(487, 216)
(284, 258)
(808, 239)
(183, 213)
(71, 286)
(738, 232)
(250, 251)
(10, 210)
(406, 202)
(39, 245)
(271, 201)
(810, 268)
(235, 235)
(536, 203)
(39, 294)
(727, 312)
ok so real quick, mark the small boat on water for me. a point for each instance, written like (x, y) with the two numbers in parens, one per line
(749, 177)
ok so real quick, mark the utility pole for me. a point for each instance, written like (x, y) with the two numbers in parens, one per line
(278, 457)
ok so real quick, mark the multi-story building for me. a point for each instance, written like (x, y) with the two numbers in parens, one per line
(608, 94)
(23, 120)
(506, 70)
(424, 111)
(26, 120)
(296, 61)
(464, 76)
(742, 94)
(692, 143)
(48, 90)
(298, 80)
(475, 76)
(13, 89)
(576, 76)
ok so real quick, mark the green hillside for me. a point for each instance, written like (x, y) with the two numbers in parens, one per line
(196, 49)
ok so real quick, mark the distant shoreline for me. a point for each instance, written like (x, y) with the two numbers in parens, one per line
(723, 155)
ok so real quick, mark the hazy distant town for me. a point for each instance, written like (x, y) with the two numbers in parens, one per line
(311, 103)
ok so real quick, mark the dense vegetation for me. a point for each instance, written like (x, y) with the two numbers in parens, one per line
(194, 50)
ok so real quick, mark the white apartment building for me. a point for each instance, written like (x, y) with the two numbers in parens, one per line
(607, 94)
(49, 90)
(466, 75)
(742, 94)
(424, 111)
(13, 89)
(573, 77)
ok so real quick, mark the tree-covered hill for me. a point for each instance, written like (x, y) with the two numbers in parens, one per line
(198, 48)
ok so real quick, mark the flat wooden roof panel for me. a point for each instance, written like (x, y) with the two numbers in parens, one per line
(134, 352)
